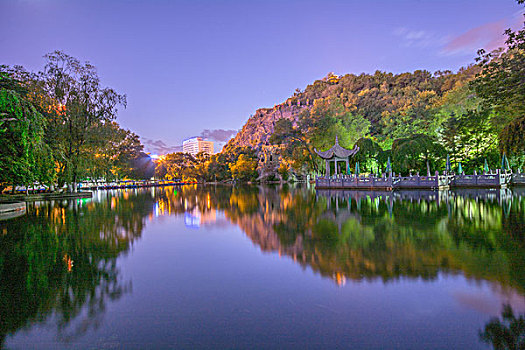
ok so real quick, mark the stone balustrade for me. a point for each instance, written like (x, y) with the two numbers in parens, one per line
(433, 182)
(518, 179)
(497, 180)
(350, 181)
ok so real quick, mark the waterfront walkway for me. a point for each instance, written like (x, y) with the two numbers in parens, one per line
(391, 182)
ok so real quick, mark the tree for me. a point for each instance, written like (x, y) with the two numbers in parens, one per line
(296, 147)
(414, 116)
(513, 136)
(83, 108)
(501, 84)
(284, 172)
(22, 134)
(317, 128)
(217, 168)
(368, 155)
(114, 149)
(414, 152)
(177, 165)
(244, 169)
(330, 118)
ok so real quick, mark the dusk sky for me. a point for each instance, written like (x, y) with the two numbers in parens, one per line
(187, 66)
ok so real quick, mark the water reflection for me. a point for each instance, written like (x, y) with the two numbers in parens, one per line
(369, 235)
(507, 332)
(60, 260)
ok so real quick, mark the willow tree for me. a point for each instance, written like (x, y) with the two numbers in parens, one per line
(413, 153)
(83, 108)
(21, 135)
(369, 155)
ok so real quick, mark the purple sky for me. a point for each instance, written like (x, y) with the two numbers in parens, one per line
(188, 66)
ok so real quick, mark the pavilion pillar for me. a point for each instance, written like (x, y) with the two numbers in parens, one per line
(347, 166)
(327, 165)
(335, 167)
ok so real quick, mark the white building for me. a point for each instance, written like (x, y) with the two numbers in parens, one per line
(195, 145)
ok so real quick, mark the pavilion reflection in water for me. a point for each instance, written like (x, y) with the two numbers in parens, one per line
(345, 236)
(501, 196)
(363, 234)
(356, 235)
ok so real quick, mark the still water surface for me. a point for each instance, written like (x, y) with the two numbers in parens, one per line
(259, 267)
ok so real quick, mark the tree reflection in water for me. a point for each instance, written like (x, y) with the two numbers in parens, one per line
(60, 260)
(369, 235)
(507, 333)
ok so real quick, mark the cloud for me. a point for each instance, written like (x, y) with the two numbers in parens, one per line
(419, 38)
(159, 147)
(219, 135)
(488, 36)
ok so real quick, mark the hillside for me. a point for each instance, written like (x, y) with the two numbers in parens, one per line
(388, 101)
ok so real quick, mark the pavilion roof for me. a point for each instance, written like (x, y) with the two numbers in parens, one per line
(337, 151)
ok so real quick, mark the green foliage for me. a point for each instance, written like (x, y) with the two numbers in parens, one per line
(470, 137)
(501, 84)
(412, 154)
(317, 128)
(381, 98)
(58, 126)
(295, 145)
(513, 136)
(45, 172)
(244, 169)
(178, 166)
(217, 168)
(330, 118)
(284, 172)
(370, 155)
(21, 135)
(83, 109)
(390, 109)
(239, 163)
(114, 151)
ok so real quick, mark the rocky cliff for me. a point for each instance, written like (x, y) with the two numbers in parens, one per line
(258, 129)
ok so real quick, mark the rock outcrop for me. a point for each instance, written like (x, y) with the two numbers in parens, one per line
(258, 129)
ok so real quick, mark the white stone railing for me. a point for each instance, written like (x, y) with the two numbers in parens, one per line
(436, 181)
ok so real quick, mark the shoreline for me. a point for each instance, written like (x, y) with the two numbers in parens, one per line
(43, 196)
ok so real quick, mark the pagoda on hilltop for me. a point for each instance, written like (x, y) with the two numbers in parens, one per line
(336, 154)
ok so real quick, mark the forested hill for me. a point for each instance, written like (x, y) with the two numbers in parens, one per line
(392, 105)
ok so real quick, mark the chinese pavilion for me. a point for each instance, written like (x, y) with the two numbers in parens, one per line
(336, 154)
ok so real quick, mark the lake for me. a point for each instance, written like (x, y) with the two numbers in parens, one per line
(262, 267)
